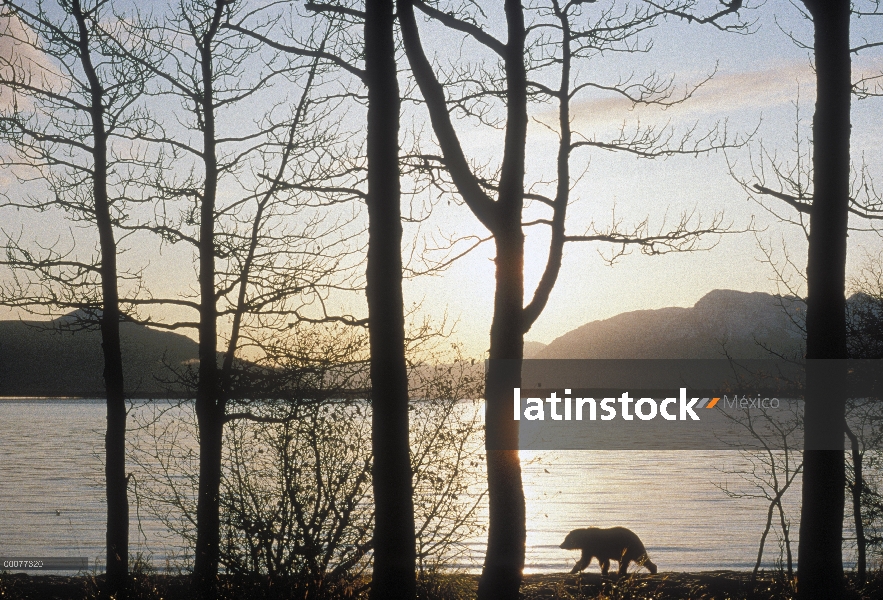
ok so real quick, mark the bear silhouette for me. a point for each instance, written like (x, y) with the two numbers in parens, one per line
(617, 543)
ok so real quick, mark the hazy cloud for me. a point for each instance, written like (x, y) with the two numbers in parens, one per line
(725, 93)
(18, 55)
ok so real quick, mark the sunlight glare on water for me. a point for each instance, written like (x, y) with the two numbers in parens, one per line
(52, 502)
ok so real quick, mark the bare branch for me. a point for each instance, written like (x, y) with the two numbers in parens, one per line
(449, 20)
(334, 8)
(299, 51)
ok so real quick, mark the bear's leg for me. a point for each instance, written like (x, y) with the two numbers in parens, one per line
(605, 566)
(623, 566)
(582, 563)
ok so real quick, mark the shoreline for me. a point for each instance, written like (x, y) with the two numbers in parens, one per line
(704, 585)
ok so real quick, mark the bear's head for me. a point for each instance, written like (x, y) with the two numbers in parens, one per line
(573, 541)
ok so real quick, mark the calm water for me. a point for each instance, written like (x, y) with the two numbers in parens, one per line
(51, 499)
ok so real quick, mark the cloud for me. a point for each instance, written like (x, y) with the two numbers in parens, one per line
(724, 94)
(20, 56)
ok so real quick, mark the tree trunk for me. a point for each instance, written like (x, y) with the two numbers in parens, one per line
(394, 574)
(115, 437)
(208, 522)
(115, 443)
(116, 484)
(766, 532)
(210, 407)
(820, 563)
(858, 485)
(504, 560)
(786, 538)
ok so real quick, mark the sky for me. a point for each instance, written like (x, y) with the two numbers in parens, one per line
(757, 81)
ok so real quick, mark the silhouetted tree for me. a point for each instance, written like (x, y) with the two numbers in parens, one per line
(394, 569)
(255, 241)
(828, 205)
(394, 572)
(547, 50)
(70, 97)
(772, 466)
(395, 553)
(863, 341)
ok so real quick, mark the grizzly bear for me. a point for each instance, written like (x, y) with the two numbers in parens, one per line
(617, 543)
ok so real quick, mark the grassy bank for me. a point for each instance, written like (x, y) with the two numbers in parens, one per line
(712, 585)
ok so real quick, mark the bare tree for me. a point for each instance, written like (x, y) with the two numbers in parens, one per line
(772, 467)
(70, 100)
(863, 339)
(228, 195)
(394, 574)
(546, 48)
(863, 480)
(828, 205)
(394, 541)
(863, 335)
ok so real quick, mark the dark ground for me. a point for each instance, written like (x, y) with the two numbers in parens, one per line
(710, 585)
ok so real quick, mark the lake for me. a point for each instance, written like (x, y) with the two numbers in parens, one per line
(52, 502)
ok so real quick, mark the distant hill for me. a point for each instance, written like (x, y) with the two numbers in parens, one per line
(532, 348)
(743, 323)
(46, 358)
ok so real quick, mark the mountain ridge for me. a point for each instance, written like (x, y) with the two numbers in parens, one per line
(58, 358)
(721, 323)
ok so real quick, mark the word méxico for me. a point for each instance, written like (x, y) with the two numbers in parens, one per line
(644, 408)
